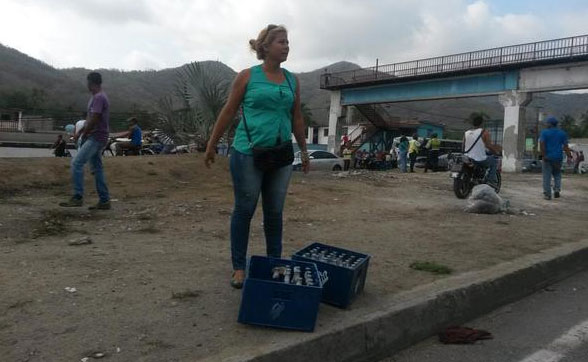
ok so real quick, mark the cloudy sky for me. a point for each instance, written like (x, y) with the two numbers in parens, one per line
(156, 34)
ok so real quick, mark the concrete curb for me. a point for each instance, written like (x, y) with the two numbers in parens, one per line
(417, 314)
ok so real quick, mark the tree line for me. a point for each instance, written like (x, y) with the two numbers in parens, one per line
(575, 128)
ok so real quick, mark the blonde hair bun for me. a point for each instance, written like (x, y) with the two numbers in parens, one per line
(265, 38)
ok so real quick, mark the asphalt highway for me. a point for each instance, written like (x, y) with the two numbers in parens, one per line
(548, 326)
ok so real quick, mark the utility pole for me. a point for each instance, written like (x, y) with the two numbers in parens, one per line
(540, 117)
(538, 121)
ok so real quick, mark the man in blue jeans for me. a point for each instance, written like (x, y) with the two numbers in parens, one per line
(553, 142)
(93, 140)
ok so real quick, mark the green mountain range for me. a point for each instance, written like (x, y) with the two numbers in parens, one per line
(44, 88)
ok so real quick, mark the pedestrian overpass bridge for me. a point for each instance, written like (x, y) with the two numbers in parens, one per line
(513, 73)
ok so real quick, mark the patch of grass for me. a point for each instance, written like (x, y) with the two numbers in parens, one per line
(186, 294)
(8, 192)
(177, 173)
(431, 267)
(54, 222)
(380, 183)
(159, 344)
(42, 185)
(18, 202)
(149, 230)
(20, 304)
(145, 216)
(49, 226)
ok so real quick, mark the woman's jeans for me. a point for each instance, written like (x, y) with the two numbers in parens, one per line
(402, 159)
(248, 183)
(89, 151)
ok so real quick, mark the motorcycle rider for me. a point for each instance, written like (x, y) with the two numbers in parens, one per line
(476, 142)
(134, 133)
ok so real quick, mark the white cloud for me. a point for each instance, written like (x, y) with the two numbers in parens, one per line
(102, 11)
(477, 14)
(520, 27)
(142, 34)
(137, 59)
(574, 23)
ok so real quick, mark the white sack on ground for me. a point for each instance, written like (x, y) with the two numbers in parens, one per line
(484, 200)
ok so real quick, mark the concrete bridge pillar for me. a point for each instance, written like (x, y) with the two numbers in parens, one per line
(349, 115)
(334, 114)
(513, 141)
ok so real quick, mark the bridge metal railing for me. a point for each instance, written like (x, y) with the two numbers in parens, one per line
(539, 52)
(9, 126)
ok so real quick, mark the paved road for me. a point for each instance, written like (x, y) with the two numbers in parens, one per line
(549, 326)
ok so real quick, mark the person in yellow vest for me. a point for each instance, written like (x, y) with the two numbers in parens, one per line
(413, 150)
(433, 147)
(346, 158)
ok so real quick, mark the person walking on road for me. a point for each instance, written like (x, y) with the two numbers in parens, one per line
(357, 158)
(402, 153)
(433, 147)
(553, 142)
(346, 158)
(270, 100)
(413, 150)
(93, 139)
(578, 159)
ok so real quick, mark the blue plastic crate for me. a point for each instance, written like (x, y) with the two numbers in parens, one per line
(271, 303)
(344, 282)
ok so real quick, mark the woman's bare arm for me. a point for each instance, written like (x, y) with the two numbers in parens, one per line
(227, 114)
(298, 127)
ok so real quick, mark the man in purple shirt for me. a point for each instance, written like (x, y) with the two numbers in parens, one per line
(93, 140)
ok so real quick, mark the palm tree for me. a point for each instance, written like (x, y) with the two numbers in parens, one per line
(202, 90)
(584, 124)
(568, 124)
(175, 122)
(306, 114)
(473, 115)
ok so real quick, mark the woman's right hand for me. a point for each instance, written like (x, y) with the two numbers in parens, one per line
(209, 157)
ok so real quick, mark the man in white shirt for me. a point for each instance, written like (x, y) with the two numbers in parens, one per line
(476, 142)
(78, 131)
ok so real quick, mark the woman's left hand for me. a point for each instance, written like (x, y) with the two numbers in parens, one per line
(305, 160)
(306, 166)
(209, 157)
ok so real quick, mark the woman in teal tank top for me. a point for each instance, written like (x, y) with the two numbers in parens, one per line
(269, 97)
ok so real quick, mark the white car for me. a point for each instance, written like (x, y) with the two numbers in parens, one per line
(320, 161)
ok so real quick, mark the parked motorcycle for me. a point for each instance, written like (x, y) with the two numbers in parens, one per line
(145, 150)
(466, 174)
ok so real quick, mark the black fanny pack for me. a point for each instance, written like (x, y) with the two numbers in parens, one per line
(270, 158)
(273, 158)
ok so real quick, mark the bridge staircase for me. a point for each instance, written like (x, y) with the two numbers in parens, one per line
(379, 135)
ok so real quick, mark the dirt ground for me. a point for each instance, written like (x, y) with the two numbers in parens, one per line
(154, 283)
